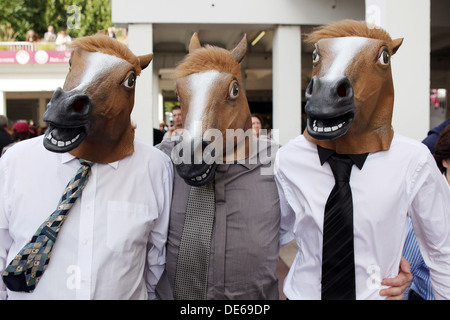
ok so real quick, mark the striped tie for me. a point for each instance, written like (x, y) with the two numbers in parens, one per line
(26, 269)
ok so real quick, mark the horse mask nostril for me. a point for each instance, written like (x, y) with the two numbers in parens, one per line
(342, 91)
(310, 88)
(344, 88)
(78, 105)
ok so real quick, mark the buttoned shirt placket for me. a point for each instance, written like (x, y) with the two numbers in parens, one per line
(86, 238)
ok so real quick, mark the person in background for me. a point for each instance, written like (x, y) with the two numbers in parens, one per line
(442, 152)
(50, 35)
(33, 131)
(433, 135)
(257, 124)
(111, 33)
(157, 136)
(62, 40)
(177, 125)
(162, 126)
(5, 136)
(31, 36)
(21, 131)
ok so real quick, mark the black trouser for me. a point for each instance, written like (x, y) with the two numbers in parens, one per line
(414, 296)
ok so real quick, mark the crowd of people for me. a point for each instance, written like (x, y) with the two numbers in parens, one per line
(60, 39)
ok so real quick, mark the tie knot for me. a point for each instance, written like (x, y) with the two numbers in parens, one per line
(341, 166)
(85, 163)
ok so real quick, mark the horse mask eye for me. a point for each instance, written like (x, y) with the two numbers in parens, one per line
(384, 57)
(315, 56)
(130, 81)
(234, 90)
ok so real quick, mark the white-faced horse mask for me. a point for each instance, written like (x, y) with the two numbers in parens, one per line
(216, 116)
(351, 95)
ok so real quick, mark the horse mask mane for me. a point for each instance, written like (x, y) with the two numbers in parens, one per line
(90, 116)
(351, 95)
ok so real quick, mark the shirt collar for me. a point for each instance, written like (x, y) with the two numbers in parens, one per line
(325, 154)
(67, 157)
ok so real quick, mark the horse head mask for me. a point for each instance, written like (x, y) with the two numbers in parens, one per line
(215, 111)
(90, 116)
(351, 95)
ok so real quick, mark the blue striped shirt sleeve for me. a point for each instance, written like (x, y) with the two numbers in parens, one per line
(421, 283)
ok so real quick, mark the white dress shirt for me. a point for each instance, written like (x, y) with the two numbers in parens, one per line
(112, 244)
(392, 185)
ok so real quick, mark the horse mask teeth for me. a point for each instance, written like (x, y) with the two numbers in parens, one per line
(332, 128)
(193, 174)
(64, 139)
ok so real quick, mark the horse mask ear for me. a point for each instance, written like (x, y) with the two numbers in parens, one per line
(239, 52)
(396, 44)
(195, 43)
(145, 60)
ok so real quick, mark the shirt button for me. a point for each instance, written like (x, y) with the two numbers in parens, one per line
(85, 241)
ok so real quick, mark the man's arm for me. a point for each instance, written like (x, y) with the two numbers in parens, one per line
(430, 216)
(287, 213)
(156, 255)
(398, 284)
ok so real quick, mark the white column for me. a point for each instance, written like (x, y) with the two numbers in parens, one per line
(155, 100)
(2, 103)
(140, 42)
(411, 64)
(287, 89)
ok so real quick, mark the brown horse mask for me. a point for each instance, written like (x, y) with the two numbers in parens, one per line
(90, 116)
(214, 107)
(351, 95)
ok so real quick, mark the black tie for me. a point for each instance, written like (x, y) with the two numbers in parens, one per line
(338, 263)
